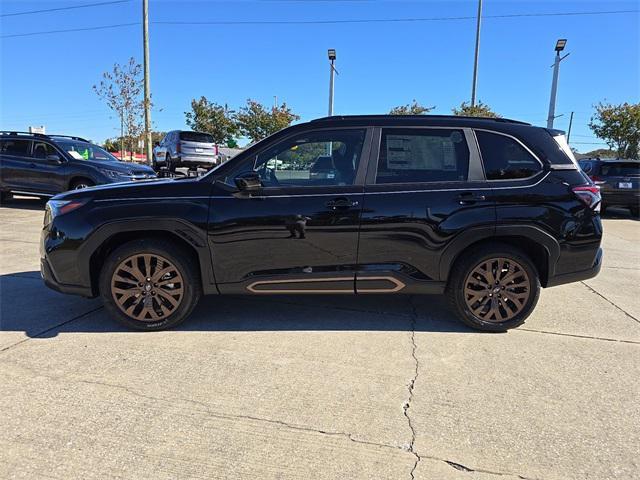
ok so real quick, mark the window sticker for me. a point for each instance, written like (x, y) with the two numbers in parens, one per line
(75, 155)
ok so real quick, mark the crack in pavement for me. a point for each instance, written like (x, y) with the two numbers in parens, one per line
(47, 330)
(411, 386)
(612, 303)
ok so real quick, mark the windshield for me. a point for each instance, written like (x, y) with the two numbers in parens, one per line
(196, 137)
(86, 151)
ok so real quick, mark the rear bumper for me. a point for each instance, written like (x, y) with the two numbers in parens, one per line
(621, 198)
(50, 281)
(579, 275)
(198, 161)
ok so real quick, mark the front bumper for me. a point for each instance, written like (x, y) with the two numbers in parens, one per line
(50, 281)
(579, 275)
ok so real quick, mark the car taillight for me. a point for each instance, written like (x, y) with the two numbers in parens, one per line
(596, 179)
(589, 195)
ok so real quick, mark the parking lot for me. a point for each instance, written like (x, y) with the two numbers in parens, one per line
(319, 387)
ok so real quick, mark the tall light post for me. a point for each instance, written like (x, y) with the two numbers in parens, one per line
(560, 44)
(332, 70)
(477, 54)
(147, 90)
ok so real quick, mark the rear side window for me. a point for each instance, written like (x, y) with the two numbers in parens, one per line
(41, 150)
(504, 158)
(18, 148)
(621, 169)
(422, 155)
(196, 137)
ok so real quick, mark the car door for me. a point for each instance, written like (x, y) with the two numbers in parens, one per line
(16, 163)
(298, 233)
(47, 171)
(424, 189)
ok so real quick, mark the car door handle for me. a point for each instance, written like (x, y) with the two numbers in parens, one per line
(341, 203)
(469, 198)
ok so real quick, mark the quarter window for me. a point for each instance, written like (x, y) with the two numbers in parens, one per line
(504, 158)
(422, 155)
(326, 157)
(18, 148)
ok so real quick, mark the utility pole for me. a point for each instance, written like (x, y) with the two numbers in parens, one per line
(560, 44)
(147, 92)
(569, 131)
(122, 137)
(332, 71)
(477, 55)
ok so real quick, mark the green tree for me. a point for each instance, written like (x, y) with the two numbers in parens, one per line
(619, 127)
(256, 122)
(217, 120)
(413, 108)
(480, 110)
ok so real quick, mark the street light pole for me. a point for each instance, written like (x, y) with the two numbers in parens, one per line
(147, 91)
(332, 70)
(560, 44)
(477, 55)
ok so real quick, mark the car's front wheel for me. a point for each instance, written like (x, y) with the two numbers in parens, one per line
(150, 284)
(494, 288)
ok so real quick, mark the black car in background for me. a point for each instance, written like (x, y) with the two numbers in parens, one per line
(44, 165)
(619, 182)
(487, 211)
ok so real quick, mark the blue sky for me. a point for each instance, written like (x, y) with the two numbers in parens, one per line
(47, 79)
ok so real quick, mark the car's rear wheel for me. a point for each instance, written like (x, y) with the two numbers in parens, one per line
(5, 196)
(494, 288)
(150, 284)
(635, 211)
(170, 165)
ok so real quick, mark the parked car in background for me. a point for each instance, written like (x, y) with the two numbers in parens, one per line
(619, 181)
(487, 211)
(44, 165)
(181, 148)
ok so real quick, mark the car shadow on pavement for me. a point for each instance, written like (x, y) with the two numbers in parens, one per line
(28, 306)
(25, 203)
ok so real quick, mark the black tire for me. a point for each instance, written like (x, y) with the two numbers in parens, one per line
(5, 197)
(169, 163)
(154, 163)
(81, 183)
(635, 211)
(461, 272)
(184, 264)
(603, 209)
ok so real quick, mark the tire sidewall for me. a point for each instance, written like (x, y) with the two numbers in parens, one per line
(191, 293)
(466, 313)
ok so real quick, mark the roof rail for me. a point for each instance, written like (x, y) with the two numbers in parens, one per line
(386, 116)
(72, 137)
(17, 133)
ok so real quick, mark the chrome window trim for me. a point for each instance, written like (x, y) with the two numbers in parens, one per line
(542, 165)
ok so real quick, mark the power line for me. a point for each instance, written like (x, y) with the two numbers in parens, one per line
(31, 12)
(382, 20)
(103, 27)
(318, 22)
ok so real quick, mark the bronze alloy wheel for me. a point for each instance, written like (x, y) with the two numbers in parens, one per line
(147, 287)
(497, 289)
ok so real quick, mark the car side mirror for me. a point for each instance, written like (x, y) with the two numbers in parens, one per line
(54, 158)
(249, 181)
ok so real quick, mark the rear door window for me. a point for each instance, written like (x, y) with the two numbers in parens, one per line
(504, 158)
(196, 137)
(15, 147)
(41, 150)
(418, 155)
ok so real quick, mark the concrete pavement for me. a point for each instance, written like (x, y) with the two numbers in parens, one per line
(319, 387)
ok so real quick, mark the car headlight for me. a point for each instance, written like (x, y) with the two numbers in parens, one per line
(60, 207)
(115, 173)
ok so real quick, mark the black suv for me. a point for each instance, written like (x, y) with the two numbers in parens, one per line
(44, 165)
(487, 211)
(619, 182)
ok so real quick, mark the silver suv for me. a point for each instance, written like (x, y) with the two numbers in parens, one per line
(181, 148)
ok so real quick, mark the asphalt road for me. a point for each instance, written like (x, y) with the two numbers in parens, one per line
(319, 387)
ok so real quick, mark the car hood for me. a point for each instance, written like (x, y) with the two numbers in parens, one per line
(141, 189)
(124, 167)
